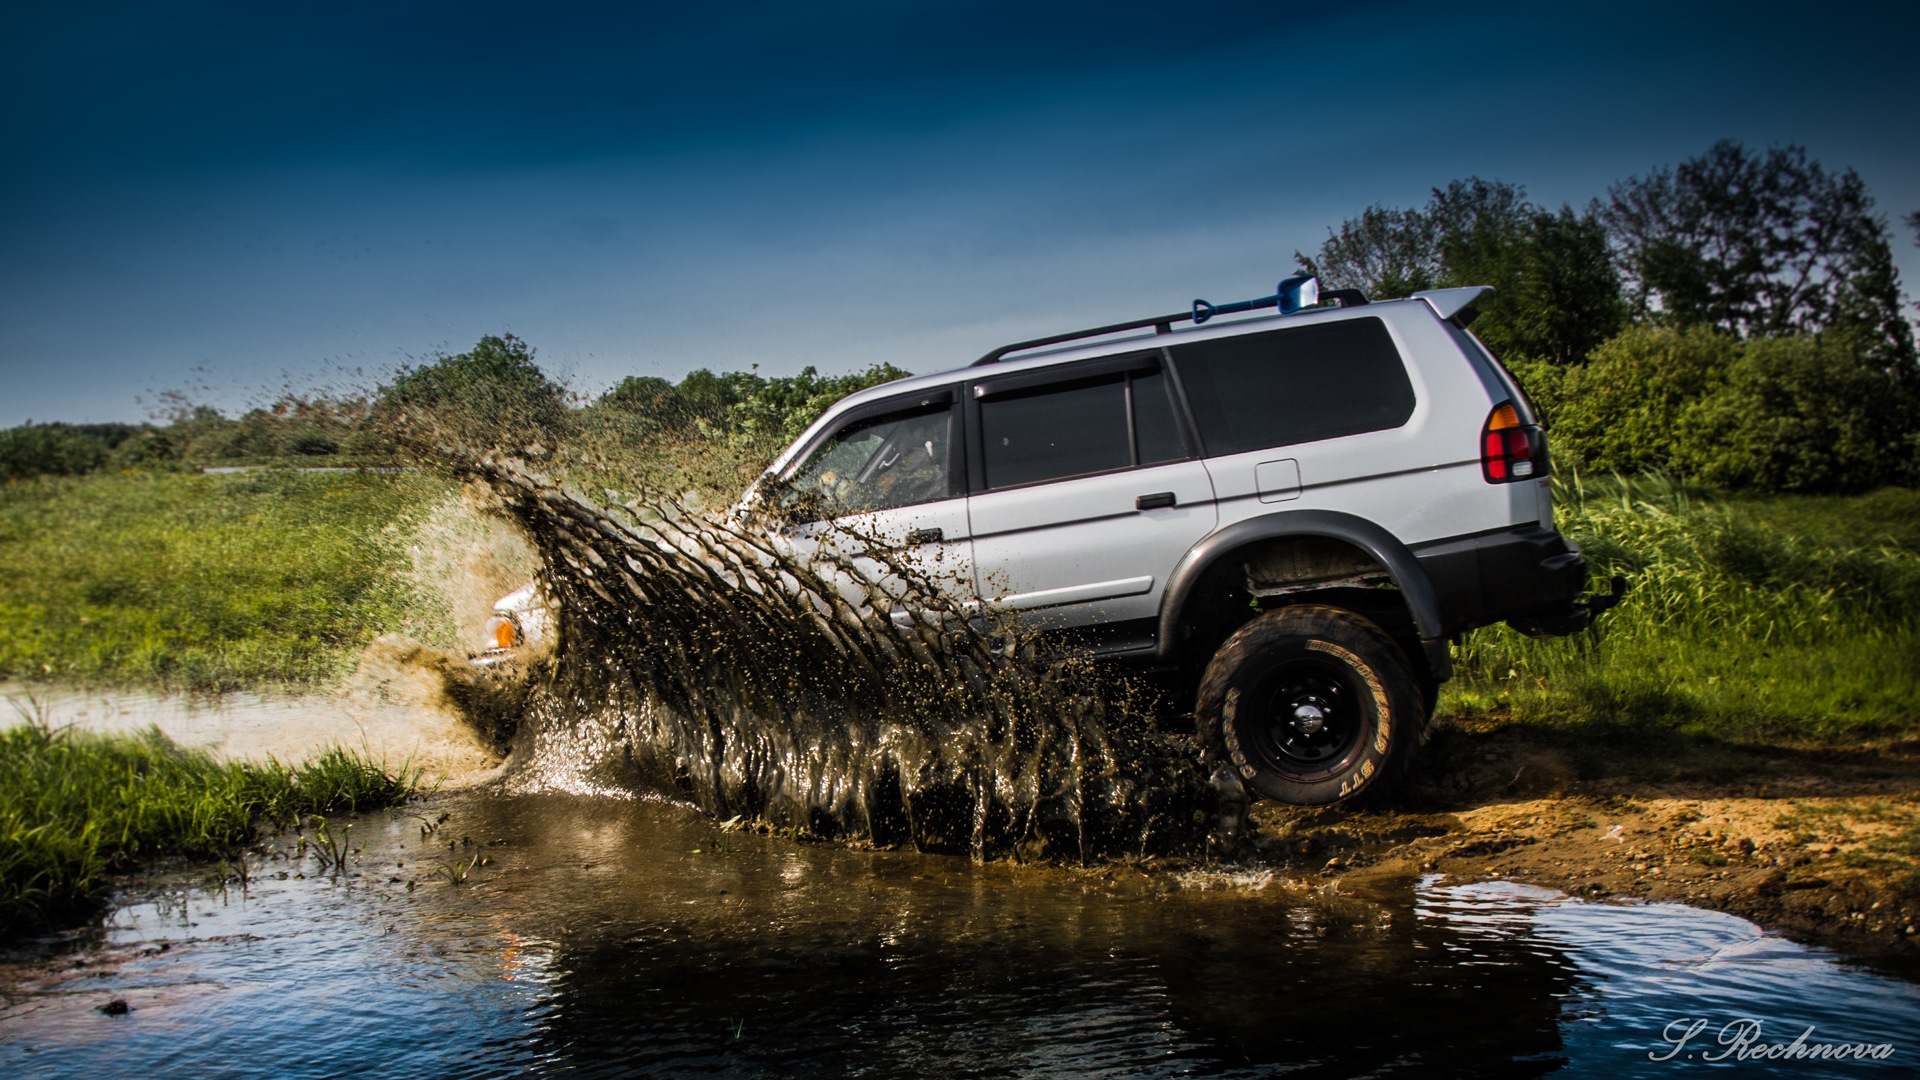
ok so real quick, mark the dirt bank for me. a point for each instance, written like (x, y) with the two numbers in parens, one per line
(1821, 845)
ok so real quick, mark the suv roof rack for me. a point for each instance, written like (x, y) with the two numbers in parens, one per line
(1290, 289)
(1162, 324)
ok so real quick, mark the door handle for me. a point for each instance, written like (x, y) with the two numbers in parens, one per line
(926, 536)
(1155, 501)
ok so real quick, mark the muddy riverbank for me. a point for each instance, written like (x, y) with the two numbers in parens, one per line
(1821, 845)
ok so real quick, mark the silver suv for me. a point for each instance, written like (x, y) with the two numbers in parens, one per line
(1291, 514)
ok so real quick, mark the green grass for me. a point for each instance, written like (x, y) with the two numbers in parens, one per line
(1750, 619)
(77, 808)
(206, 582)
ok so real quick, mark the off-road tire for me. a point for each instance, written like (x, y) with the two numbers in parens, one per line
(1312, 705)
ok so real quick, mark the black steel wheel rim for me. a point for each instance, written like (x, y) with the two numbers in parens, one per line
(1307, 718)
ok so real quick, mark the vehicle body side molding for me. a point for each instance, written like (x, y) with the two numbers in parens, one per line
(1415, 587)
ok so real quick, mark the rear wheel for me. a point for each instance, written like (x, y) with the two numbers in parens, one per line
(1312, 705)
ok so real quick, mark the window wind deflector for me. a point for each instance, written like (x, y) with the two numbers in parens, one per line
(926, 399)
(1092, 369)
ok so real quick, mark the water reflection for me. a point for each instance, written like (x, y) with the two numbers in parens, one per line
(607, 938)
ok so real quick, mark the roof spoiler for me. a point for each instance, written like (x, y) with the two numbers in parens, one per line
(1447, 303)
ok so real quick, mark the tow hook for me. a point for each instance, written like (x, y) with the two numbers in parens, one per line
(1597, 604)
(1575, 617)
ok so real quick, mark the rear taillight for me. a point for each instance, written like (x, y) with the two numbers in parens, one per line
(1509, 449)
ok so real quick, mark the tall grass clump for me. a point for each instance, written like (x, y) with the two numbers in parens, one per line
(76, 808)
(1790, 619)
(209, 582)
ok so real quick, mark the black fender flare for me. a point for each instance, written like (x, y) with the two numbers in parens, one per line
(1423, 603)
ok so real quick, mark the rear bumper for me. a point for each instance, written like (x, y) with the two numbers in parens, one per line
(1528, 576)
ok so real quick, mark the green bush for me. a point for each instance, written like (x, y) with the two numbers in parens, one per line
(1795, 414)
(778, 410)
(1802, 414)
(710, 434)
(1625, 410)
(59, 449)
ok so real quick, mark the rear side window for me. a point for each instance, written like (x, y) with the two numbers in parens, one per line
(1295, 385)
(1055, 432)
(1078, 428)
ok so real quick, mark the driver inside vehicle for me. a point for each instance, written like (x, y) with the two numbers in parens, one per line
(890, 463)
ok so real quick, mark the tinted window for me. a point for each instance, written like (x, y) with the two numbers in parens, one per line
(875, 464)
(1055, 431)
(1154, 428)
(1295, 385)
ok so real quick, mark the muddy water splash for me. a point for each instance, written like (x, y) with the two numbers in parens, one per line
(693, 659)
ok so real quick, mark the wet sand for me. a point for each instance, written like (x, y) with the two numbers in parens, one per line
(1821, 845)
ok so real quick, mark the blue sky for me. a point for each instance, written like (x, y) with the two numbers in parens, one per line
(233, 200)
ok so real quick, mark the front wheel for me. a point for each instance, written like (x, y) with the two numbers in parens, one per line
(1312, 705)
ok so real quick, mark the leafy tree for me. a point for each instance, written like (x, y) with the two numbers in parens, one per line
(1759, 245)
(1556, 294)
(737, 407)
(641, 405)
(492, 396)
(1383, 252)
(1913, 222)
(709, 396)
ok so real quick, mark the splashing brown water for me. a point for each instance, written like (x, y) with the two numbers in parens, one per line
(693, 659)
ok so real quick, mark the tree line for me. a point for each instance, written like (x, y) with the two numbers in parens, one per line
(1735, 320)
(494, 395)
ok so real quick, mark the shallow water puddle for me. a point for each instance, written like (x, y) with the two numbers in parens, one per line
(391, 730)
(615, 936)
